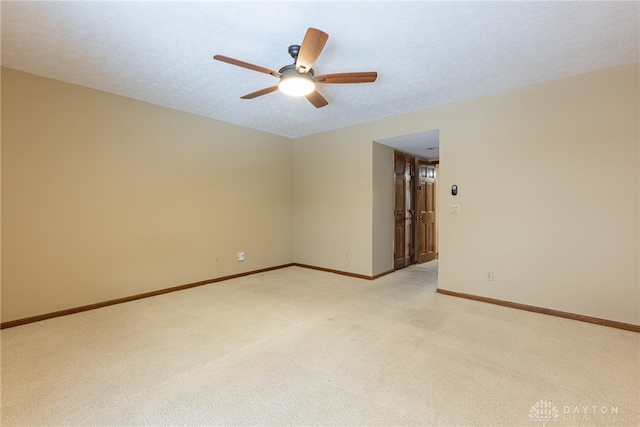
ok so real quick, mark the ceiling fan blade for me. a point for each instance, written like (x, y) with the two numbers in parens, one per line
(246, 65)
(316, 99)
(260, 92)
(312, 44)
(365, 77)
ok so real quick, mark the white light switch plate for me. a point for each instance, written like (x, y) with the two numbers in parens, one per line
(454, 209)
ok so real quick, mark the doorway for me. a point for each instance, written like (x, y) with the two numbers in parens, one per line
(410, 214)
(415, 207)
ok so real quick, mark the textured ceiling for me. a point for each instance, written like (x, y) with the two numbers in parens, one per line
(426, 53)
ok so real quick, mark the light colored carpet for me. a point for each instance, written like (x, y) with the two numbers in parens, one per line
(298, 346)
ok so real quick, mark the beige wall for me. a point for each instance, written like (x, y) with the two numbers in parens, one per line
(548, 182)
(383, 218)
(332, 201)
(547, 178)
(106, 197)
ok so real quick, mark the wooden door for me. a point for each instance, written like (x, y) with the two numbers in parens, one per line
(403, 251)
(426, 208)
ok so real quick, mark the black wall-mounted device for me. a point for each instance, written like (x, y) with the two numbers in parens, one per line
(454, 190)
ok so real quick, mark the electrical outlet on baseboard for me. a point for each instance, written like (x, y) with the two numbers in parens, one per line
(240, 256)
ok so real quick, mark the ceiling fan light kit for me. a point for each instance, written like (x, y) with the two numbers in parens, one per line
(294, 83)
(298, 79)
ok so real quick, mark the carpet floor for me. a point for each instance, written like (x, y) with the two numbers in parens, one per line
(303, 347)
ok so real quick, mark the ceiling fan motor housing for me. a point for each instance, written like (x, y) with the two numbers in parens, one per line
(290, 70)
(294, 49)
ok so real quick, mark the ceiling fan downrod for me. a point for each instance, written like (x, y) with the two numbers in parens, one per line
(294, 49)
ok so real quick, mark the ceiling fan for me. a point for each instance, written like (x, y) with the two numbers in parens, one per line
(299, 78)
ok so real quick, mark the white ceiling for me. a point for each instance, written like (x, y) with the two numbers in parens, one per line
(426, 53)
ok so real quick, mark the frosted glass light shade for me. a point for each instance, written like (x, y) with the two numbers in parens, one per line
(295, 84)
